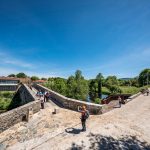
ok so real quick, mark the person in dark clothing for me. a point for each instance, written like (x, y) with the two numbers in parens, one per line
(84, 116)
(42, 102)
(120, 101)
(147, 91)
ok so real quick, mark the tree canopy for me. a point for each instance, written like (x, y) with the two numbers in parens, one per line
(21, 75)
(12, 75)
(34, 78)
(144, 77)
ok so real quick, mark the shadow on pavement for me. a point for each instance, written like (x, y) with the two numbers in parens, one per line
(73, 131)
(98, 142)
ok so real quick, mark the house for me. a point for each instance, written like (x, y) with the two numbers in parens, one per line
(9, 83)
(39, 81)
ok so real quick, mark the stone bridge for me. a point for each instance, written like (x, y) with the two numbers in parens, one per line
(23, 104)
(26, 103)
(69, 103)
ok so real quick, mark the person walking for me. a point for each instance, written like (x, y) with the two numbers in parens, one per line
(147, 91)
(120, 101)
(84, 116)
(42, 102)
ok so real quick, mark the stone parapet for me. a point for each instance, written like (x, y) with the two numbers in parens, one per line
(70, 103)
(22, 113)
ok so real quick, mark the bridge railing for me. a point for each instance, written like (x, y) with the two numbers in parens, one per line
(70, 103)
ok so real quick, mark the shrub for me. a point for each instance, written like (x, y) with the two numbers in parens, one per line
(97, 100)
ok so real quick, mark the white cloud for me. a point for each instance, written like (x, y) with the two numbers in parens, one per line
(7, 71)
(7, 59)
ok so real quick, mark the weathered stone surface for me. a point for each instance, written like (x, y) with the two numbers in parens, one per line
(26, 111)
(70, 103)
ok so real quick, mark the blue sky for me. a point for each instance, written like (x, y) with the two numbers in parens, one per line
(55, 38)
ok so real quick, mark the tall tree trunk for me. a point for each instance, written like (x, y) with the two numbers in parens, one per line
(99, 89)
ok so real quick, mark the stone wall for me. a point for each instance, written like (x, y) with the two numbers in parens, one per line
(115, 97)
(70, 103)
(133, 96)
(21, 113)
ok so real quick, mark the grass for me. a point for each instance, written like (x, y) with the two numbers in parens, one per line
(130, 89)
(105, 91)
(125, 90)
(5, 100)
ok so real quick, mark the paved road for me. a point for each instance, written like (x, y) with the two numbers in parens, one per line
(133, 119)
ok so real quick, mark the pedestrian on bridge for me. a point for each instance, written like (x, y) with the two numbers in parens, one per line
(42, 102)
(147, 91)
(84, 116)
(120, 101)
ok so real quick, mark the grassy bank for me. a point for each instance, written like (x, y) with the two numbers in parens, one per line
(130, 89)
(125, 90)
(5, 100)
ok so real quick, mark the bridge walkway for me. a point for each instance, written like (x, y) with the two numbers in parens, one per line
(50, 103)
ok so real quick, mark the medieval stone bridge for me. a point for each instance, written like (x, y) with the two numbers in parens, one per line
(29, 104)
(125, 128)
(25, 102)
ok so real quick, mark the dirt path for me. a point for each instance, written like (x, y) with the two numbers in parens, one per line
(126, 127)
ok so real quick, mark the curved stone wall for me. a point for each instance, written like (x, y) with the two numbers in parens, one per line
(70, 103)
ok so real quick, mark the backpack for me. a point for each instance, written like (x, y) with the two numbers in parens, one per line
(87, 114)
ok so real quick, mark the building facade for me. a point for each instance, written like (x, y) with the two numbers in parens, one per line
(9, 83)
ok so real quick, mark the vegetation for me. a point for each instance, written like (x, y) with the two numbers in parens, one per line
(34, 78)
(78, 88)
(21, 75)
(74, 87)
(130, 89)
(97, 101)
(144, 77)
(5, 100)
(12, 75)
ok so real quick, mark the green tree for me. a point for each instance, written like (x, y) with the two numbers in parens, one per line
(34, 78)
(77, 86)
(114, 89)
(144, 77)
(57, 85)
(60, 86)
(12, 75)
(99, 79)
(71, 87)
(44, 79)
(111, 80)
(21, 75)
(93, 86)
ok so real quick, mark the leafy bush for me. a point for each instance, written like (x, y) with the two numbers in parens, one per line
(97, 100)
(5, 99)
(114, 89)
(4, 103)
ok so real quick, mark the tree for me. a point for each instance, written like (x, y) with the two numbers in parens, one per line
(77, 86)
(12, 75)
(57, 84)
(34, 78)
(78, 75)
(99, 78)
(44, 79)
(111, 80)
(21, 75)
(114, 89)
(144, 77)
(60, 86)
(93, 86)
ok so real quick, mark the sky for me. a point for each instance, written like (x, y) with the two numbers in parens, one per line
(55, 38)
